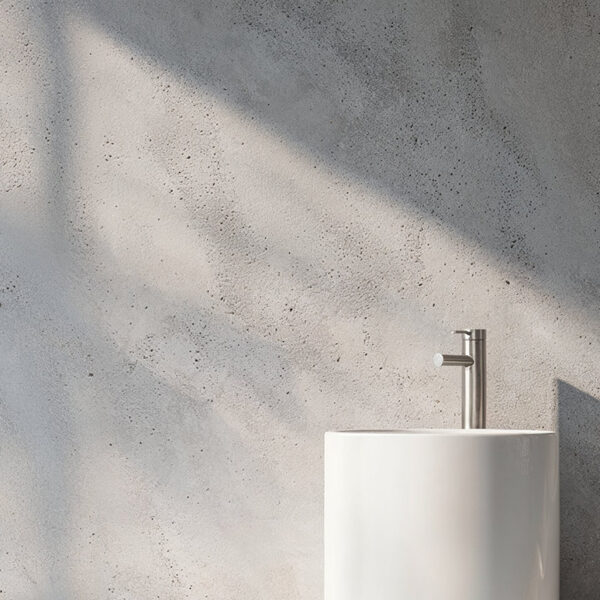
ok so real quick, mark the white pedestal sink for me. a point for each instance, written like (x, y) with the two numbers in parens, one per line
(441, 515)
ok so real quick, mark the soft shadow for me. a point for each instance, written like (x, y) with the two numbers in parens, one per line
(412, 99)
(579, 428)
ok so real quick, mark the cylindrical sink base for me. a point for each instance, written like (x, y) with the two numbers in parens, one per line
(441, 515)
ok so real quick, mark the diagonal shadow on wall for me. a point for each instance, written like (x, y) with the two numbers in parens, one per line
(579, 428)
(413, 99)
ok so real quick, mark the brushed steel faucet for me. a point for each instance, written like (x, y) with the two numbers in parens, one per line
(472, 360)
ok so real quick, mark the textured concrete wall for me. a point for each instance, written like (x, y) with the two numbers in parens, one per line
(226, 227)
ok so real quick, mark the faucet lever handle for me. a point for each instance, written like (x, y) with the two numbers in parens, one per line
(473, 334)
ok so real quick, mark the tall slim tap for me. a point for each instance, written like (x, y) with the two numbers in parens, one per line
(472, 360)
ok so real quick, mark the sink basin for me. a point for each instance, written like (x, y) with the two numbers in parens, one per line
(441, 514)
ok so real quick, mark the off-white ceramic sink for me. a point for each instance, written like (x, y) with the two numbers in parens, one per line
(441, 515)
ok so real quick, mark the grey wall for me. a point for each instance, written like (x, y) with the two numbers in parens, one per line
(228, 227)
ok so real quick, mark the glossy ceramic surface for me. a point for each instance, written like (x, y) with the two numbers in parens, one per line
(441, 515)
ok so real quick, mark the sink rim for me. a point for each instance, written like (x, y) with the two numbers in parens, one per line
(438, 432)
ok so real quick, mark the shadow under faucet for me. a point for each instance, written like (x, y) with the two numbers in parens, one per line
(579, 431)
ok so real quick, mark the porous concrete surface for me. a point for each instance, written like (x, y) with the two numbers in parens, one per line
(227, 227)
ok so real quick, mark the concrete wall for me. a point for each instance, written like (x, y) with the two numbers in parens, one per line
(226, 227)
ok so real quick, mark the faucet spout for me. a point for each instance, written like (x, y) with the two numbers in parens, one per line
(473, 362)
(452, 360)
